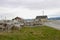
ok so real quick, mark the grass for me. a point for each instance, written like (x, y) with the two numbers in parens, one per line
(32, 33)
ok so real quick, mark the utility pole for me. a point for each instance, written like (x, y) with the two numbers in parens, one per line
(6, 24)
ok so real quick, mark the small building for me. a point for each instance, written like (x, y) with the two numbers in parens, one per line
(42, 18)
(18, 21)
(28, 22)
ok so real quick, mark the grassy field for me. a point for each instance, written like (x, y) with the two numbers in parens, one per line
(32, 33)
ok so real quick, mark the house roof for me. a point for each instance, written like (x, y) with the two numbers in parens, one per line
(41, 17)
(17, 18)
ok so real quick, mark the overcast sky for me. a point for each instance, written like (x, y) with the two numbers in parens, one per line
(28, 9)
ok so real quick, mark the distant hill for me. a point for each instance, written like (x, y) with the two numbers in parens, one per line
(54, 18)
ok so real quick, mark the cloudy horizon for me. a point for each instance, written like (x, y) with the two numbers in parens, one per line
(29, 9)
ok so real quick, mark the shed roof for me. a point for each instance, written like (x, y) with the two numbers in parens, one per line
(41, 17)
(17, 18)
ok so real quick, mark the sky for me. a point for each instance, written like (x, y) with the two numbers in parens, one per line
(29, 9)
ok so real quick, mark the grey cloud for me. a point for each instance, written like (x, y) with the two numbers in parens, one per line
(31, 4)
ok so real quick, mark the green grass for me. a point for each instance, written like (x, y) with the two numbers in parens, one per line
(32, 33)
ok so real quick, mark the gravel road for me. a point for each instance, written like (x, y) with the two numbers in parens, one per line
(53, 23)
